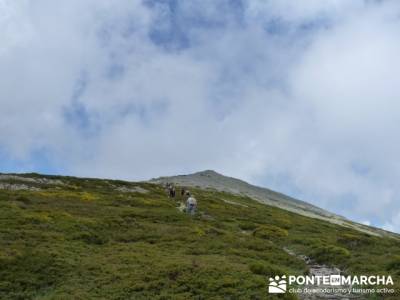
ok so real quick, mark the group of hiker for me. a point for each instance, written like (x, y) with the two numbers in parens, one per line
(191, 202)
(171, 190)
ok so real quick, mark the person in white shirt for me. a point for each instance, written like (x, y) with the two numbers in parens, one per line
(191, 204)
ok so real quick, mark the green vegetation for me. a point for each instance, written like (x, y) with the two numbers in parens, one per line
(87, 239)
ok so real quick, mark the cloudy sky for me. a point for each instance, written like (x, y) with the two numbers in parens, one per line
(299, 96)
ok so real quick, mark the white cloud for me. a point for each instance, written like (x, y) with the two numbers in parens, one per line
(307, 110)
(366, 222)
(302, 11)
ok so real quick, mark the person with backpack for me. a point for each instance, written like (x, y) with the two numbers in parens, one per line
(191, 204)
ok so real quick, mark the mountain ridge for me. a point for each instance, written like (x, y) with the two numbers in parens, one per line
(210, 179)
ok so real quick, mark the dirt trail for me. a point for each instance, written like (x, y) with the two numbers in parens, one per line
(323, 270)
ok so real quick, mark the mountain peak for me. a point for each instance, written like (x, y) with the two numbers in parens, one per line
(208, 173)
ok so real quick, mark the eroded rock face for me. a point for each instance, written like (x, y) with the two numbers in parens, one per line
(18, 187)
(22, 183)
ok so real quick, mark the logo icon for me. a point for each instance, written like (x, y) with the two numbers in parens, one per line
(277, 285)
(336, 280)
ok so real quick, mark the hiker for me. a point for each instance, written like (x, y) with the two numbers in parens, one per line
(191, 204)
(183, 190)
(173, 192)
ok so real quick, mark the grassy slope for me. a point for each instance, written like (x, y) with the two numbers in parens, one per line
(87, 240)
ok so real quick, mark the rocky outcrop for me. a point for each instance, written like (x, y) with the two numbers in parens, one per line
(24, 183)
(17, 187)
(41, 180)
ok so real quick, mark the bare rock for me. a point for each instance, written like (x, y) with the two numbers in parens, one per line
(17, 187)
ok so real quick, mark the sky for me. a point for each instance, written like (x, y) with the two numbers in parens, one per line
(298, 96)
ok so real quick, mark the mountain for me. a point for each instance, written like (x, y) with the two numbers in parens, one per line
(85, 238)
(210, 179)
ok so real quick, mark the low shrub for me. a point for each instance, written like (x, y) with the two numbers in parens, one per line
(270, 232)
(352, 241)
(91, 238)
(247, 226)
(331, 255)
(394, 265)
(23, 200)
(261, 268)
